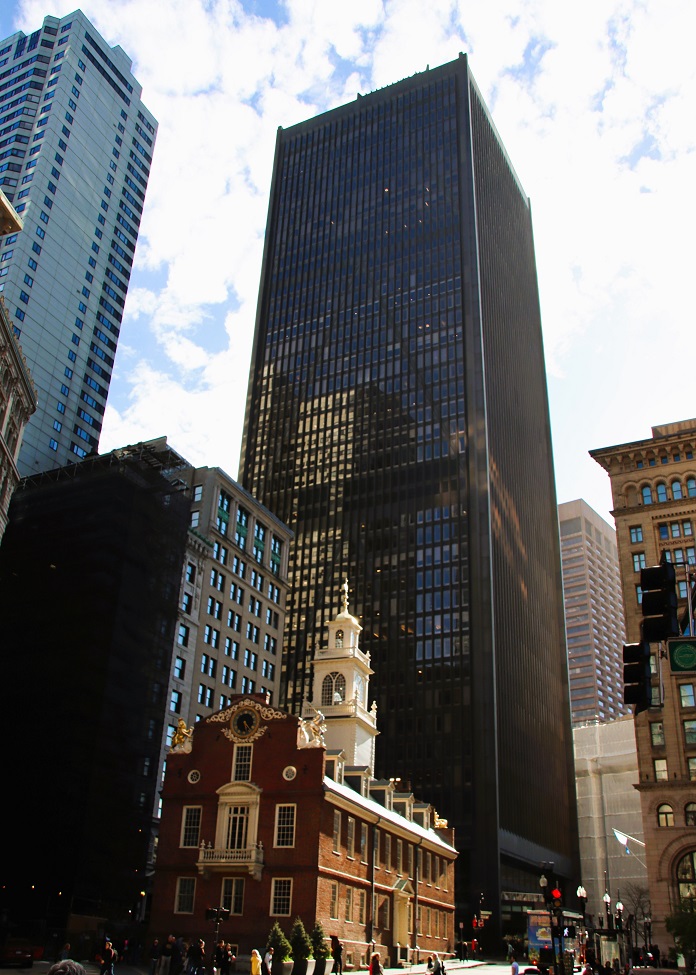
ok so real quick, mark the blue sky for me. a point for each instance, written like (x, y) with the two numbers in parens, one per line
(596, 112)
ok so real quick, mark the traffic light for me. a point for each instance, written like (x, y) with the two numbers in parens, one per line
(659, 602)
(637, 677)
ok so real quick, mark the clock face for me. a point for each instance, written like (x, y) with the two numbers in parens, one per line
(245, 722)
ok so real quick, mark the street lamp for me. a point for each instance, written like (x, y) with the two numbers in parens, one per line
(581, 894)
(619, 912)
(217, 914)
(607, 908)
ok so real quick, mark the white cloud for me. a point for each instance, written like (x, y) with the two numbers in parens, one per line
(595, 112)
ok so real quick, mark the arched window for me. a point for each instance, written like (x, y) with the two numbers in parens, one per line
(677, 491)
(661, 491)
(691, 487)
(665, 815)
(647, 494)
(690, 814)
(333, 689)
(686, 879)
(339, 639)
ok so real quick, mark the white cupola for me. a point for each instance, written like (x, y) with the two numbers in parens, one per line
(340, 690)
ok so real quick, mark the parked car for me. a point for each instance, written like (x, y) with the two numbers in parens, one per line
(17, 951)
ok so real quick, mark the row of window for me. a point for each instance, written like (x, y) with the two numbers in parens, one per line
(665, 814)
(233, 895)
(661, 493)
(389, 852)
(657, 730)
(665, 459)
(662, 774)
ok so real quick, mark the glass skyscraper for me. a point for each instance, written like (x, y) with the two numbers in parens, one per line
(76, 147)
(397, 421)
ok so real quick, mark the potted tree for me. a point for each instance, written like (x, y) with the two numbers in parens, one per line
(320, 948)
(282, 951)
(301, 949)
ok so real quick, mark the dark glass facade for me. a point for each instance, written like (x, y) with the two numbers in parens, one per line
(397, 421)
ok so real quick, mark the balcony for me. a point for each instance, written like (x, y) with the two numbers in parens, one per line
(218, 859)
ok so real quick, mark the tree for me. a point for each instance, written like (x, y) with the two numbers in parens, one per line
(637, 897)
(682, 926)
(282, 949)
(299, 941)
(320, 949)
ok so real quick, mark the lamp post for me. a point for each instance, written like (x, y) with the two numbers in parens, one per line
(607, 908)
(581, 895)
(619, 927)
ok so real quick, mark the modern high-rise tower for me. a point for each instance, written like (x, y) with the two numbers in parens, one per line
(397, 420)
(76, 147)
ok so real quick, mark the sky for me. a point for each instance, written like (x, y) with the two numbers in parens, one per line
(596, 105)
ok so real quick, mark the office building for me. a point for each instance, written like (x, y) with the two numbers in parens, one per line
(653, 483)
(397, 421)
(272, 816)
(76, 146)
(593, 612)
(232, 595)
(17, 392)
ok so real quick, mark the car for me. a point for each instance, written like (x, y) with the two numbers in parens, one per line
(17, 951)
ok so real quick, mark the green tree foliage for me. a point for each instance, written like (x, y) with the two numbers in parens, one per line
(299, 941)
(682, 926)
(282, 949)
(320, 949)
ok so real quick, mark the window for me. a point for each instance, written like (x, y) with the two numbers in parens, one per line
(285, 825)
(676, 490)
(349, 904)
(191, 826)
(242, 763)
(690, 814)
(350, 837)
(361, 906)
(179, 668)
(690, 732)
(175, 702)
(185, 895)
(660, 768)
(186, 602)
(190, 572)
(195, 519)
(399, 857)
(638, 561)
(686, 695)
(665, 815)
(636, 534)
(646, 494)
(197, 492)
(657, 733)
(233, 894)
(337, 832)
(333, 906)
(691, 487)
(387, 851)
(281, 897)
(687, 528)
(363, 842)
(333, 689)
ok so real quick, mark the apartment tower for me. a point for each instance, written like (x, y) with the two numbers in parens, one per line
(594, 614)
(397, 422)
(76, 147)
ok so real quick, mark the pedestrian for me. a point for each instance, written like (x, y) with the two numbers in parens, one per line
(430, 963)
(228, 960)
(375, 964)
(255, 962)
(437, 964)
(64, 952)
(219, 956)
(108, 961)
(66, 967)
(154, 955)
(165, 958)
(465, 950)
(515, 970)
(337, 955)
(196, 954)
(267, 962)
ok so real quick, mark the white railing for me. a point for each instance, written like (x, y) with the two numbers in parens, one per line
(209, 855)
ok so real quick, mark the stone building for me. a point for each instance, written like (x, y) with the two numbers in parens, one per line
(653, 485)
(273, 816)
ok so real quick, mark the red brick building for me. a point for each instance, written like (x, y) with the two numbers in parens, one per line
(274, 817)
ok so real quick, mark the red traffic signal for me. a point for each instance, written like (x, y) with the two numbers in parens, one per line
(556, 894)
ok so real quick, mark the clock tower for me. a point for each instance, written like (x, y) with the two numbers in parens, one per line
(340, 690)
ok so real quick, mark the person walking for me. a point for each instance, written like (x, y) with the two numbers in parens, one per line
(375, 964)
(337, 955)
(154, 955)
(108, 961)
(255, 962)
(196, 955)
(267, 962)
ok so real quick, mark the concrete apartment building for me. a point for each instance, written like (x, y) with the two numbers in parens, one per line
(594, 616)
(653, 484)
(78, 144)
